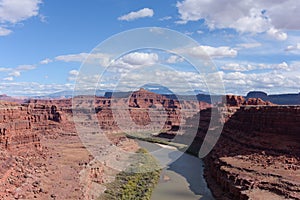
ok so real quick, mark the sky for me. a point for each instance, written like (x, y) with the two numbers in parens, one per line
(255, 45)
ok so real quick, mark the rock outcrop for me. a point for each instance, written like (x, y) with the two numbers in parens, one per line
(236, 101)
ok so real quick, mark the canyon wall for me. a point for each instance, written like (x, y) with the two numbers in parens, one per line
(141, 108)
(20, 125)
(257, 154)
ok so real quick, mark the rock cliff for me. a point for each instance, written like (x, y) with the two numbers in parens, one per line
(257, 155)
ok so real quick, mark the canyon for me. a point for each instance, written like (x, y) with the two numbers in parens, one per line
(43, 156)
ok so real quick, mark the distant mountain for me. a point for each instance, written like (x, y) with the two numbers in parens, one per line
(194, 92)
(4, 97)
(280, 99)
(117, 94)
(156, 88)
(70, 93)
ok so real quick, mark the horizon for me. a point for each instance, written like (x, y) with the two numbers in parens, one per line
(51, 96)
(45, 44)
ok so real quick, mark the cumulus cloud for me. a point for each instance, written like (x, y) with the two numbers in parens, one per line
(277, 34)
(213, 52)
(14, 11)
(139, 58)
(271, 82)
(253, 16)
(174, 59)
(133, 61)
(145, 12)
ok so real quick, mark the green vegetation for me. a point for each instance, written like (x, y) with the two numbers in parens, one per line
(136, 182)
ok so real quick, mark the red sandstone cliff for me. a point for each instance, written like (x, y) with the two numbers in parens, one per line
(257, 155)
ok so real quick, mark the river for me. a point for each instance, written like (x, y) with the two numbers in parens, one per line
(182, 178)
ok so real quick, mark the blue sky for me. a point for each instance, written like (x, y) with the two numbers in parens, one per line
(255, 45)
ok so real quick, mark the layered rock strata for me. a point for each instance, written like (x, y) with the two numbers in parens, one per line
(257, 154)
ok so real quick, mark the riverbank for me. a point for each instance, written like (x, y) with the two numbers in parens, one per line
(182, 178)
(136, 182)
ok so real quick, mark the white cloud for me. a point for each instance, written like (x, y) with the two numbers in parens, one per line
(74, 72)
(25, 67)
(32, 88)
(4, 31)
(249, 45)
(46, 61)
(277, 34)
(219, 52)
(165, 18)
(270, 82)
(175, 80)
(72, 57)
(3, 69)
(237, 67)
(213, 52)
(73, 75)
(174, 59)
(10, 78)
(188, 33)
(15, 74)
(99, 58)
(244, 67)
(282, 65)
(253, 16)
(293, 47)
(138, 58)
(132, 61)
(145, 12)
(200, 32)
(14, 11)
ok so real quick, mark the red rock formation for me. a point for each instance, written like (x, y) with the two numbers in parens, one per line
(142, 108)
(237, 101)
(258, 153)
